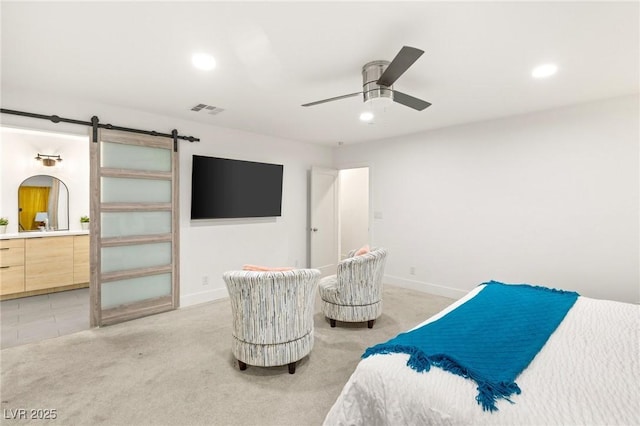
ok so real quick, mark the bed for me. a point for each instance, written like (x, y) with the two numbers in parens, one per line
(586, 373)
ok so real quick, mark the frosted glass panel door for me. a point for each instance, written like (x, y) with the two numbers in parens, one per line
(134, 221)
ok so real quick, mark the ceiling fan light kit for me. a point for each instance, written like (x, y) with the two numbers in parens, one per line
(378, 78)
(366, 116)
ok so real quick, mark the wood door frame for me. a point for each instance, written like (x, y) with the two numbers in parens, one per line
(148, 306)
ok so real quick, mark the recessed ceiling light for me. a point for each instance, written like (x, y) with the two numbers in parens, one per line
(203, 61)
(366, 116)
(543, 71)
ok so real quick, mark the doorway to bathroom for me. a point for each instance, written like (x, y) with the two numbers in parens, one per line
(354, 209)
(340, 212)
(44, 265)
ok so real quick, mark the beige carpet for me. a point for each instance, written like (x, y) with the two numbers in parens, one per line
(177, 369)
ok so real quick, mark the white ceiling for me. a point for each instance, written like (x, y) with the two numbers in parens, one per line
(274, 56)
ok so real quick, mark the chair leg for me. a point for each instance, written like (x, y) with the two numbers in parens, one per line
(292, 368)
(242, 365)
(370, 323)
(332, 322)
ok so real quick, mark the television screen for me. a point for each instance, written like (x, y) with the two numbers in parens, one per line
(225, 188)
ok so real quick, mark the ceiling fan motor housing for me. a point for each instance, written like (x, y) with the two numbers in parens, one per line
(371, 90)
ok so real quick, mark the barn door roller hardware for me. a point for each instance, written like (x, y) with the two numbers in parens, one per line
(95, 125)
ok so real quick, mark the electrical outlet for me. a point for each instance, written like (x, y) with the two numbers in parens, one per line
(205, 280)
(412, 270)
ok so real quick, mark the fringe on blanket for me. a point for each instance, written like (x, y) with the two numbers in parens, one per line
(488, 393)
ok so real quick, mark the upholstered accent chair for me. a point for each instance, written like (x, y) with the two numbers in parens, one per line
(272, 316)
(354, 294)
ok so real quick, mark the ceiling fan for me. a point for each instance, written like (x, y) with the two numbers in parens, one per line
(378, 78)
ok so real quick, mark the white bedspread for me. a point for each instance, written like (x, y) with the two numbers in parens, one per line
(588, 373)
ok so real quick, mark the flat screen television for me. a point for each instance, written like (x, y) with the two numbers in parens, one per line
(223, 188)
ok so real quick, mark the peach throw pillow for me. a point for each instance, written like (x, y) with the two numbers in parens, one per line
(264, 268)
(363, 250)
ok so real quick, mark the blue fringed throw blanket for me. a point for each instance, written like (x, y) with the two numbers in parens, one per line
(490, 339)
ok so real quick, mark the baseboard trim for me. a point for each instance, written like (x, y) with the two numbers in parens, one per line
(439, 290)
(203, 296)
(221, 293)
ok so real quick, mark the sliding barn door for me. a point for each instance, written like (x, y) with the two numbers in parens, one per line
(134, 226)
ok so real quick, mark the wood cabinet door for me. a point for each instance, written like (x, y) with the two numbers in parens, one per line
(48, 262)
(12, 279)
(11, 266)
(80, 259)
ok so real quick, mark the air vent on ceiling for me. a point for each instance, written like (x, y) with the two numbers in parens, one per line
(209, 109)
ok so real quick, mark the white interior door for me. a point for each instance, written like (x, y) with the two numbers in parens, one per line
(324, 220)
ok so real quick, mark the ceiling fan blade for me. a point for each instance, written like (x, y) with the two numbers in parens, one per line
(337, 98)
(410, 101)
(403, 60)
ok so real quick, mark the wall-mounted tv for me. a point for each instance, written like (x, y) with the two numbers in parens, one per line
(223, 188)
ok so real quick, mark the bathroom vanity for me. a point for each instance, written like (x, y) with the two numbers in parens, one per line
(43, 262)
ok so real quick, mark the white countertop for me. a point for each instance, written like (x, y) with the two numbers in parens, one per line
(40, 234)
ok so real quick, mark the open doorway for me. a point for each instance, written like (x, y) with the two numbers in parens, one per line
(353, 209)
(44, 277)
(339, 206)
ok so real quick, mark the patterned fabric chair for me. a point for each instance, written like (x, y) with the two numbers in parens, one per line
(272, 316)
(355, 293)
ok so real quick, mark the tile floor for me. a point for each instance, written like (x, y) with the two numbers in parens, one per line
(35, 318)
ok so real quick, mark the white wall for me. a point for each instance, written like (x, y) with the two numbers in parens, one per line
(18, 149)
(549, 198)
(354, 209)
(207, 248)
(210, 247)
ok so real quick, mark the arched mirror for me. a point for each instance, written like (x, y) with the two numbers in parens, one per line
(43, 204)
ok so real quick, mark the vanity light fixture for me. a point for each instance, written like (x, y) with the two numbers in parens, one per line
(48, 160)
